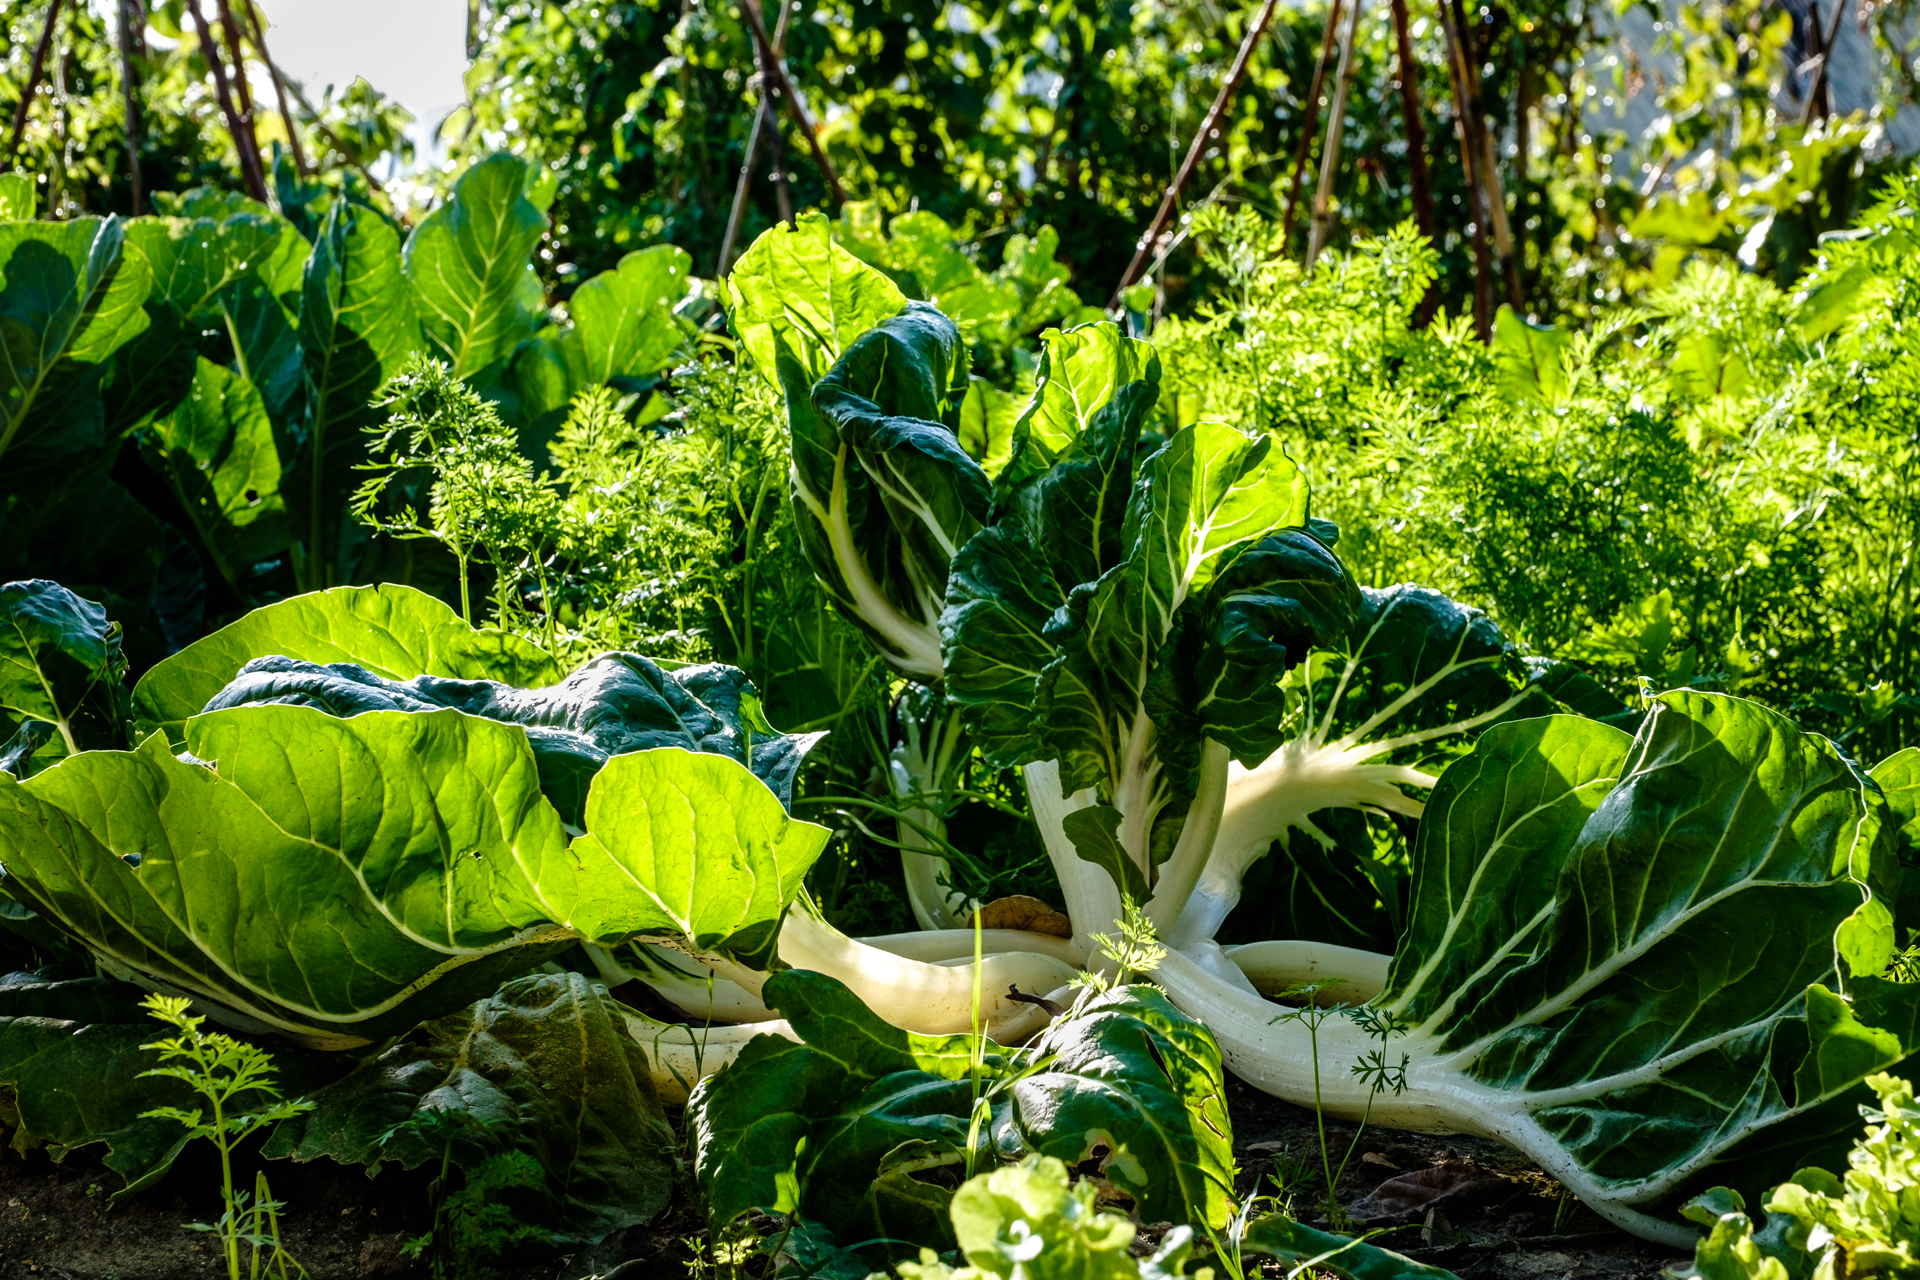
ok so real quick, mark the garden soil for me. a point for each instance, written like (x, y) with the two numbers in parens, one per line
(1465, 1204)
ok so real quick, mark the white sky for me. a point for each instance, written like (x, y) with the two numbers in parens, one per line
(411, 50)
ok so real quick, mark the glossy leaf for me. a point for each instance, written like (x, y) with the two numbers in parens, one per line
(218, 452)
(69, 298)
(357, 329)
(1136, 1087)
(60, 663)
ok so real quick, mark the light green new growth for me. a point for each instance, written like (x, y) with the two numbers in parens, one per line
(223, 1070)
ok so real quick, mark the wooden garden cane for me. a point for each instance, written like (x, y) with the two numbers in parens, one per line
(242, 92)
(34, 70)
(1312, 123)
(1330, 153)
(761, 119)
(129, 86)
(249, 161)
(770, 66)
(1195, 151)
(257, 32)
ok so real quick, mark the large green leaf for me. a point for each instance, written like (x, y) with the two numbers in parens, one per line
(1135, 1088)
(387, 868)
(711, 854)
(1642, 983)
(542, 1066)
(1405, 690)
(195, 260)
(614, 704)
(1208, 493)
(389, 630)
(798, 300)
(1082, 371)
(218, 453)
(357, 328)
(60, 662)
(470, 262)
(69, 298)
(623, 319)
(806, 1126)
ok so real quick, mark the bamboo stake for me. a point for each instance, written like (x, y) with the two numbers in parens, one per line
(761, 118)
(1488, 165)
(1476, 194)
(770, 66)
(128, 88)
(34, 70)
(243, 92)
(1418, 187)
(249, 162)
(1330, 152)
(258, 32)
(1818, 96)
(1194, 152)
(1312, 125)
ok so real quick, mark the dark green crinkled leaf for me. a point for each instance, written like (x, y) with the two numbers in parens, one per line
(392, 631)
(60, 662)
(545, 1065)
(1095, 833)
(341, 880)
(1136, 1087)
(883, 492)
(616, 703)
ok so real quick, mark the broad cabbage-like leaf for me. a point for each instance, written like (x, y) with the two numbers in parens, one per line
(797, 301)
(543, 1066)
(392, 631)
(60, 664)
(470, 264)
(218, 453)
(340, 880)
(357, 329)
(69, 299)
(614, 704)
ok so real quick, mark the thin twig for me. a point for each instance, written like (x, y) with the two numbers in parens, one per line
(34, 70)
(242, 92)
(770, 65)
(1818, 91)
(1194, 152)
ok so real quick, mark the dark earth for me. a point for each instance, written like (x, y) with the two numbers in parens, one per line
(1470, 1206)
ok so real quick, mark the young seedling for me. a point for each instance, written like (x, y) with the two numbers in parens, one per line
(224, 1070)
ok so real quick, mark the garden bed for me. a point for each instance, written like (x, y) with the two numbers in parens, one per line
(1492, 1214)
